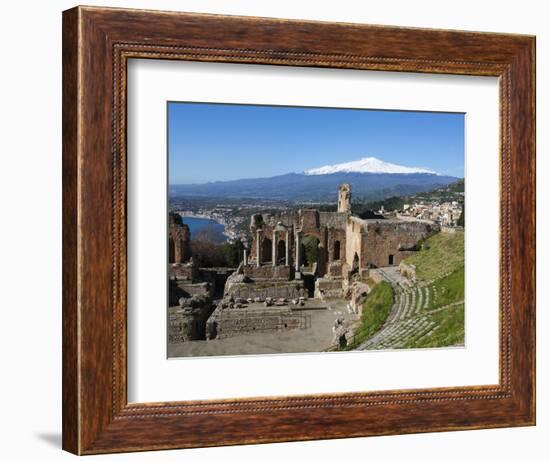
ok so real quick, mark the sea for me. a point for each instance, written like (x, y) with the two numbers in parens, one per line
(208, 228)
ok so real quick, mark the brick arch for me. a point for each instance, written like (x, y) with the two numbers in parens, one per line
(337, 250)
(281, 251)
(267, 250)
(322, 257)
(317, 233)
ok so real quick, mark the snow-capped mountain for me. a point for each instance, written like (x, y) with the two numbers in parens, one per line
(367, 165)
(370, 178)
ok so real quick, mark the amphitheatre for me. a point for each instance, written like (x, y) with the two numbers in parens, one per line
(312, 281)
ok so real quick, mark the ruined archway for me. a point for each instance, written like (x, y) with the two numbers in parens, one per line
(310, 252)
(355, 264)
(281, 253)
(336, 251)
(267, 250)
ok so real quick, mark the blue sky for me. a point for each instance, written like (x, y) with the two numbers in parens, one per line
(219, 142)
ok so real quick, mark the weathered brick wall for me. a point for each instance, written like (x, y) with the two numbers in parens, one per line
(334, 269)
(183, 271)
(374, 241)
(182, 326)
(267, 289)
(310, 222)
(358, 295)
(344, 197)
(226, 323)
(333, 219)
(353, 240)
(186, 289)
(189, 323)
(287, 218)
(383, 241)
(179, 238)
(336, 235)
(328, 288)
(267, 272)
(309, 219)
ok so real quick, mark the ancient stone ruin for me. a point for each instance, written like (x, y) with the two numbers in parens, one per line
(347, 246)
(179, 237)
(294, 255)
(190, 297)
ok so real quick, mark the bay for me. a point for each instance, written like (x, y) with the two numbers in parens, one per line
(205, 228)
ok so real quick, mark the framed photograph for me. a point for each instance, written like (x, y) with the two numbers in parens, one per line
(282, 230)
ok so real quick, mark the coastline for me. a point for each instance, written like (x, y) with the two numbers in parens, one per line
(219, 220)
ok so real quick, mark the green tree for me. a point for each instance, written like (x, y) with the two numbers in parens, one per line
(311, 250)
(233, 253)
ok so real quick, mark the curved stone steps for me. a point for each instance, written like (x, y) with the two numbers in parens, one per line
(409, 318)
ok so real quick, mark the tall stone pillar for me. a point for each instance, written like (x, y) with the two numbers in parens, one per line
(344, 198)
(177, 250)
(286, 248)
(297, 262)
(258, 246)
(245, 257)
(274, 249)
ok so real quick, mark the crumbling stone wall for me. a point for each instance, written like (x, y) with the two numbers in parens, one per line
(187, 321)
(226, 323)
(291, 227)
(408, 270)
(332, 219)
(290, 289)
(309, 219)
(336, 244)
(388, 242)
(354, 231)
(267, 272)
(348, 246)
(183, 282)
(179, 238)
(344, 198)
(326, 288)
(184, 271)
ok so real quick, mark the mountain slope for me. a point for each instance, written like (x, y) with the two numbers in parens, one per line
(317, 187)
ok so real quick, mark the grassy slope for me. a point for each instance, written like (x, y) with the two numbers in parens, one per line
(450, 331)
(440, 255)
(439, 266)
(376, 309)
(450, 289)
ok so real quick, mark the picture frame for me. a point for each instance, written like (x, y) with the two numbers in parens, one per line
(97, 44)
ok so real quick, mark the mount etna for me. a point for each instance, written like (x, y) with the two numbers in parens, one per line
(370, 178)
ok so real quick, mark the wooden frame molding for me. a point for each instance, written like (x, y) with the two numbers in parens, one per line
(97, 43)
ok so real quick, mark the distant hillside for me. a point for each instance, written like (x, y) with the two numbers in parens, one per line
(317, 187)
(450, 192)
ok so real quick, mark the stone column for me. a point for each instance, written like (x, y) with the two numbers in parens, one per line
(245, 257)
(286, 248)
(258, 255)
(297, 242)
(274, 249)
(177, 250)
